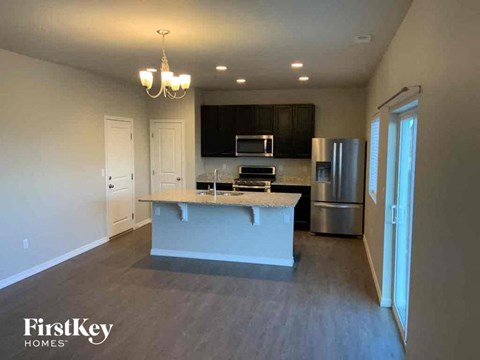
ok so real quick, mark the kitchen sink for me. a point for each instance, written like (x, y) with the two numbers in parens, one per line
(219, 193)
(232, 193)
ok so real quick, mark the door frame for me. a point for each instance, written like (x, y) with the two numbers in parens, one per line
(399, 118)
(183, 167)
(105, 122)
(406, 105)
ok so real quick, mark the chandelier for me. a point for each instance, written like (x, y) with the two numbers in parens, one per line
(170, 85)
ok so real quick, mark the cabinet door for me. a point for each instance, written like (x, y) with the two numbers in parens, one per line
(264, 120)
(245, 120)
(225, 137)
(209, 130)
(283, 129)
(303, 130)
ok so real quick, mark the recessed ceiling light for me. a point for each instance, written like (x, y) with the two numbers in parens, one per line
(152, 69)
(362, 39)
(297, 65)
(221, 68)
(241, 81)
(303, 78)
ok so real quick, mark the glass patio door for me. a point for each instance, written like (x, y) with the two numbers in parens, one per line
(402, 216)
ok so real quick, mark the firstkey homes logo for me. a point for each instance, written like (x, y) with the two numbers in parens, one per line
(56, 334)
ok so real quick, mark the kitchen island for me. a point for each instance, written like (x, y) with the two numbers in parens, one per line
(247, 227)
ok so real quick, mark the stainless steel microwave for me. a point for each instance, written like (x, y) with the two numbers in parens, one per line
(254, 145)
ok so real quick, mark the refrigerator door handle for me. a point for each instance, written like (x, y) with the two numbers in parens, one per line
(394, 215)
(340, 165)
(336, 206)
(334, 176)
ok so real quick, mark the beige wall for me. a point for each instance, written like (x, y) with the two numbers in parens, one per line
(437, 46)
(51, 155)
(184, 109)
(338, 113)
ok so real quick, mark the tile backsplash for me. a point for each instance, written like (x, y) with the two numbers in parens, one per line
(285, 167)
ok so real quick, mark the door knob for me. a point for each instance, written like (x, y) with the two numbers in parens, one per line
(111, 186)
(178, 178)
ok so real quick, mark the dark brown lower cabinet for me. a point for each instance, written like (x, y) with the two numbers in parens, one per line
(209, 185)
(302, 210)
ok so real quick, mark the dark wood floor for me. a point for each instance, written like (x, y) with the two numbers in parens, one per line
(165, 308)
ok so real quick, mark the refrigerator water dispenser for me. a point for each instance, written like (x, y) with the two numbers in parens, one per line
(323, 171)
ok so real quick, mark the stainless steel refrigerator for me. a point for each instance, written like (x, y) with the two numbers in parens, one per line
(338, 176)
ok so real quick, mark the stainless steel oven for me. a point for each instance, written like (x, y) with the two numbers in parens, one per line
(254, 178)
(255, 186)
(254, 145)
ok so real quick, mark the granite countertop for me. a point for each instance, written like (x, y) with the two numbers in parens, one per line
(292, 180)
(280, 180)
(246, 199)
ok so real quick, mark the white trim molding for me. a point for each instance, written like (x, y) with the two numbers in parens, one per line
(222, 257)
(142, 223)
(383, 301)
(51, 263)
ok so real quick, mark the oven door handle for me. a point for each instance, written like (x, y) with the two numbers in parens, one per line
(249, 187)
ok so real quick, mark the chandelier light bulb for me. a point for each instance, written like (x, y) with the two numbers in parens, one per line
(166, 78)
(175, 83)
(185, 81)
(146, 78)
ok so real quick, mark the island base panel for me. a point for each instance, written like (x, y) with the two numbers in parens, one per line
(225, 233)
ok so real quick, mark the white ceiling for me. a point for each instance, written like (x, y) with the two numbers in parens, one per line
(257, 40)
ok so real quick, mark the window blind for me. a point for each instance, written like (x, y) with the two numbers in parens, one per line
(373, 170)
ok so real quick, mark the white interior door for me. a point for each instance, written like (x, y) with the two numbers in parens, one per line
(167, 155)
(120, 189)
(402, 216)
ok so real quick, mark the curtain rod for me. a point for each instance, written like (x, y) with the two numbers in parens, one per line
(402, 90)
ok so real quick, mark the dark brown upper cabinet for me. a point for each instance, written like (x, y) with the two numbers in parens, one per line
(226, 130)
(244, 120)
(209, 131)
(303, 130)
(218, 131)
(291, 125)
(283, 131)
(294, 128)
(264, 119)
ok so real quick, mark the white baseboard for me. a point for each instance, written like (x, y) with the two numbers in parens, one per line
(222, 257)
(50, 263)
(384, 302)
(142, 223)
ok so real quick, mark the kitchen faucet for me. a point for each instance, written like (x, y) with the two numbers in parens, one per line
(215, 179)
